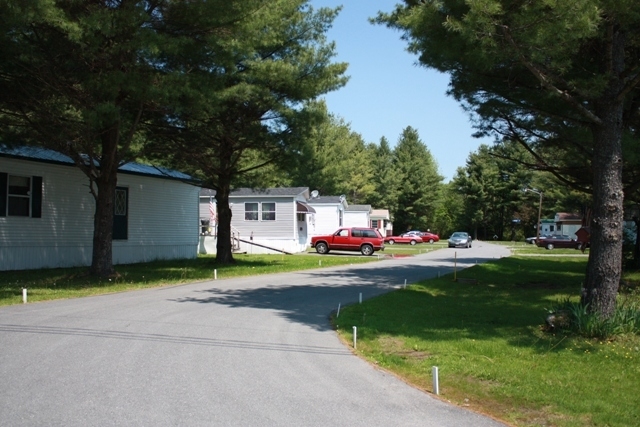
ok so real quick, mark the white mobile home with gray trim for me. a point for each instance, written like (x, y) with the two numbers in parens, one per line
(270, 220)
(46, 212)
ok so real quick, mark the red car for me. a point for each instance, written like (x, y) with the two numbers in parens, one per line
(365, 240)
(558, 241)
(426, 236)
(411, 239)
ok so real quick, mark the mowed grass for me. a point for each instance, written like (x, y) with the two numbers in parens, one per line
(49, 284)
(527, 249)
(487, 341)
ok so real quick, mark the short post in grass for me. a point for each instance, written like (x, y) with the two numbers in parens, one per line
(24, 295)
(405, 283)
(338, 313)
(360, 298)
(436, 382)
(355, 337)
(455, 266)
(215, 274)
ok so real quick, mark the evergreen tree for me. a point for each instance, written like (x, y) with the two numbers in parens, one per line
(243, 91)
(386, 177)
(420, 187)
(559, 74)
(81, 77)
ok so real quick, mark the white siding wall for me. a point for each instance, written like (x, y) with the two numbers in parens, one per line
(356, 219)
(282, 228)
(162, 214)
(163, 220)
(326, 219)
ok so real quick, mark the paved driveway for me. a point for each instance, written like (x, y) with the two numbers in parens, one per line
(239, 352)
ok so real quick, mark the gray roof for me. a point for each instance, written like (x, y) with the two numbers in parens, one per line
(45, 155)
(359, 208)
(261, 192)
(325, 200)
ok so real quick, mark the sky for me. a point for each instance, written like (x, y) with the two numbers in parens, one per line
(387, 91)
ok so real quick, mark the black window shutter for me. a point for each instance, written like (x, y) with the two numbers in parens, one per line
(3, 194)
(36, 197)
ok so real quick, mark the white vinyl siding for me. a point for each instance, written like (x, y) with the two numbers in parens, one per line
(282, 209)
(163, 218)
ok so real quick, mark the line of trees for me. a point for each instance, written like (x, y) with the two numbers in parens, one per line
(228, 91)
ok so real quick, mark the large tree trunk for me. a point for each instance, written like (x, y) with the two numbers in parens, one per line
(224, 254)
(102, 257)
(605, 258)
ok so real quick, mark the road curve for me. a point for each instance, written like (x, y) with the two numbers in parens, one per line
(255, 351)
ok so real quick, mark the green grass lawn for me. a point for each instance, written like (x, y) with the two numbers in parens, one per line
(493, 356)
(49, 284)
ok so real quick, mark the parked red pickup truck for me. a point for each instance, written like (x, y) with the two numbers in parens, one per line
(365, 240)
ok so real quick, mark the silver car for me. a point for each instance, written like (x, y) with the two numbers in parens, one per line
(460, 239)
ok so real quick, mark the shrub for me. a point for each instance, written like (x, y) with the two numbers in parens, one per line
(575, 317)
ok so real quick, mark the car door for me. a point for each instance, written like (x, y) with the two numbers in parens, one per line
(357, 237)
(341, 239)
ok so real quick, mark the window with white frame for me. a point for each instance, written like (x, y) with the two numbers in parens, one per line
(20, 195)
(268, 211)
(265, 211)
(251, 211)
(19, 192)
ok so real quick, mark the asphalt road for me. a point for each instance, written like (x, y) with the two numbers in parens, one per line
(255, 351)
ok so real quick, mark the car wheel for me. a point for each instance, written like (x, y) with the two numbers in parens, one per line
(322, 248)
(391, 242)
(366, 250)
(549, 246)
(431, 241)
(413, 242)
(469, 245)
(579, 246)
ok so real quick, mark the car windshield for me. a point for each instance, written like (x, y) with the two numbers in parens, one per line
(459, 235)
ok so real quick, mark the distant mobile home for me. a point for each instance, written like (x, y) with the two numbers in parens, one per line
(270, 220)
(46, 212)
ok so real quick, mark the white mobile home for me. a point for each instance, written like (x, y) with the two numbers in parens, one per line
(329, 214)
(46, 212)
(271, 220)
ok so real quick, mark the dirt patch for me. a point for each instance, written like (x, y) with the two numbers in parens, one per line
(413, 354)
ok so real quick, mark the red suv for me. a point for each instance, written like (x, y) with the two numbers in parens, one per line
(365, 240)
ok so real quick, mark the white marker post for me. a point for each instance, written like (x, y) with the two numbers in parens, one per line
(338, 313)
(436, 385)
(405, 283)
(24, 295)
(215, 274)
(360, 299)
(355, 337)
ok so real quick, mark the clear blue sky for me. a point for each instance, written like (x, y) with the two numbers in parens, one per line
(387, 91)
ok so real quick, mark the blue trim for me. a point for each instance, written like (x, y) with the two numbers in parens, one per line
(45, 155)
